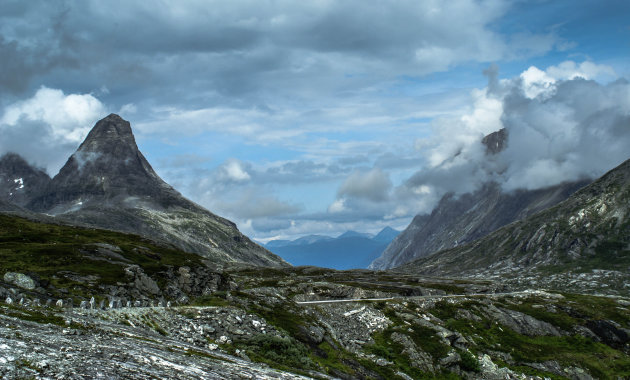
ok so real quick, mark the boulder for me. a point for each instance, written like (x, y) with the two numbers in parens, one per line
(21, 280)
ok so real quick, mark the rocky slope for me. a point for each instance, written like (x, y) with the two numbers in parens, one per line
(108, 183)
(87, 303)
(19, 181)
(288, 323)
(461, 219)
(587, 235)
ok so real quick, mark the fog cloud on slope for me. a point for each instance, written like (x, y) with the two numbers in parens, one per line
(562, 125)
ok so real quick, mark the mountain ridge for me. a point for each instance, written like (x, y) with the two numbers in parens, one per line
(108, 183)
(588, 231)
(349, 250)
(459, 219)
(20, 181)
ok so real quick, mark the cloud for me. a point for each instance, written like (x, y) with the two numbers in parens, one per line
(251, 204)
(68, 115)
(233, 170)
(333, 99)
(373, 185)
(337, 206)
(243, 52)
(561, 127)
(577, 129)
(47, 127)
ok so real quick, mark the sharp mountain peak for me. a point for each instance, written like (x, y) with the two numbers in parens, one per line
(112, 129)
(108, 164)
(108, 183)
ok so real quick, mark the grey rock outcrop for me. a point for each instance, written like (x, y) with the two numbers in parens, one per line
(520, 322)
(20, 279)
(19, 181)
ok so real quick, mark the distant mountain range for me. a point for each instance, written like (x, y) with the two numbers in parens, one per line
(349, 250)
(108, 183)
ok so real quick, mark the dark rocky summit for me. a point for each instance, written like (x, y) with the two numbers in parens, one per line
(19, 181)
(108, 183)
(495, 142)
(457, 220)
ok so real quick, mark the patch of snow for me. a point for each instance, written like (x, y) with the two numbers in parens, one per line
(19, 182)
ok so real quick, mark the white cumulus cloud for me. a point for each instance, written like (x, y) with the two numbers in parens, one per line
(47, 127)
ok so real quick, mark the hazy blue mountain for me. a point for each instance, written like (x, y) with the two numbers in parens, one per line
(349, 250)
(387, 234)
(348, 234)
(304, 240)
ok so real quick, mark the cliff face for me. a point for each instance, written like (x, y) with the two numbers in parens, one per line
(587, 232)
(459, 220)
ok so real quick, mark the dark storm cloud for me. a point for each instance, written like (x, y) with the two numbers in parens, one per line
(190, 52)
(32, 140)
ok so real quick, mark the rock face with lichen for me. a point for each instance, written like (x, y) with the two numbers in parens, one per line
(20, 280)
(108, 183)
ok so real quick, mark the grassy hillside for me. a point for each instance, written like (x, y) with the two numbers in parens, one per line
(78, 259)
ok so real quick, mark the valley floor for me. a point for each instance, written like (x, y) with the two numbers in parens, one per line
(281, 324)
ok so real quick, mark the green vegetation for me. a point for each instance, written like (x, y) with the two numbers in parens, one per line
(601, 360)
(278, 351)
(448, 288)
(32, 315)
(215, 299)
(468, 361)
(385, 347)
(51, 251)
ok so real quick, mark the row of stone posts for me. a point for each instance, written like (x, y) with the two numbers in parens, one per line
(113, 303)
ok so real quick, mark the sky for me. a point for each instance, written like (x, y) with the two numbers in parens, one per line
(317, 117)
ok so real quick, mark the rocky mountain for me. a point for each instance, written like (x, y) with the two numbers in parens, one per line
(19, 181)
(458, 220)
(6, 207)
(587, 235)
(108, 183)
(88, 303)
(461, 219)
(347, 251)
